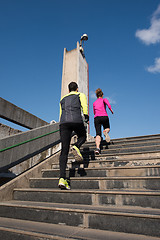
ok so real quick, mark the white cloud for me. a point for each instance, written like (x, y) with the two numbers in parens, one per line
(152, 34)
(156, 67)
(92, 95)
(112, 101)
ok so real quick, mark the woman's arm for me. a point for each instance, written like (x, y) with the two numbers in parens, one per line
(108, 104)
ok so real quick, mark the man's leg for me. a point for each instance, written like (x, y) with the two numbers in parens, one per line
(81, 133)
(65, 134)
(80, 130)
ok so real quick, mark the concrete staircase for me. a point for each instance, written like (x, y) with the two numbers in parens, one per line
(115, 195)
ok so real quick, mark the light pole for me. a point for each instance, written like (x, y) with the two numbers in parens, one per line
(84, 37)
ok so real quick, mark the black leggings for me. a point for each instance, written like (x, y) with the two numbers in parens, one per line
(99, 122)
(66, 130)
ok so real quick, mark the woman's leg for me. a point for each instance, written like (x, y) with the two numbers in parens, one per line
(106, 126)
(107, 130)
(97, 125)
(107, 137)
(98, 141)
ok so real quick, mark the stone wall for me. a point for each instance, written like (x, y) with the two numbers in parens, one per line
(6, 131)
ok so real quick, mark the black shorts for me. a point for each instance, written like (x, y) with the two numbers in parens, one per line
(101, 121)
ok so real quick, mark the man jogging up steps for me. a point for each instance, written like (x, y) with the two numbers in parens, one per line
(71, 120)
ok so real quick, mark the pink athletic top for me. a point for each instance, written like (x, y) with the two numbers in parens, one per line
(99, 107)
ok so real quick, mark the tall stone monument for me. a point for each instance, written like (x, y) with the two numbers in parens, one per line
(75, 69)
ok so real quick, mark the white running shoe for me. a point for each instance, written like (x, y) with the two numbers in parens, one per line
(107, 137)
(97, 151)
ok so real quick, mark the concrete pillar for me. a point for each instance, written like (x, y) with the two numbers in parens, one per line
(75, 69)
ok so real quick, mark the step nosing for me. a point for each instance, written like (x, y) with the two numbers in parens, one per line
(122, 153)
(126, 147)
(139, 138)
(106, 168)
(88, 191)
(100, 210)
(86, 210)
(99, 178)
(114, 160)
(124, 140)
(75, 232)
(123, 145)
(28, 233)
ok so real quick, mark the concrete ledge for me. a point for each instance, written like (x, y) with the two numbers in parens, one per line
(19, 116)
(20, 153)
(6, 191)
(6, 131)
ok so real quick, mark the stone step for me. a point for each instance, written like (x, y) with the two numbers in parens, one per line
(26, 230)
(122, 150)
(105, 172)
(101, 183)
(90, 197)
(118, 190)
(7, 233)
(15, 229)
(130, 139)
(104, 145)
(114, 161)
(109, 155)
(119, 219)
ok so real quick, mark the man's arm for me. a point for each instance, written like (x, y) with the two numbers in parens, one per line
(84, 106)
(60, 111)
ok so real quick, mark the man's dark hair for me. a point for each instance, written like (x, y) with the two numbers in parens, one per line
(72, 86)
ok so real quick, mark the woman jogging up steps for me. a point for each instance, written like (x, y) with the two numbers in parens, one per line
(101, 118)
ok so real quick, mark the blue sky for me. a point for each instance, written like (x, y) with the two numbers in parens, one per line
(123, 53)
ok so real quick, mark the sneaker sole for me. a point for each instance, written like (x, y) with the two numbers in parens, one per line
(76, 156)
(61, 186)
(97, 153)
(107, 137)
